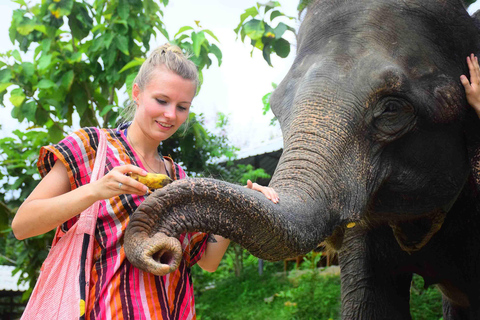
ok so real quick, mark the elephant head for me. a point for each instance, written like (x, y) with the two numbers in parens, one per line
(374, 121)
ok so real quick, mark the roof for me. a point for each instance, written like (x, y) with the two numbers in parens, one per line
(265, 156)
(267, 147)
(9, 282)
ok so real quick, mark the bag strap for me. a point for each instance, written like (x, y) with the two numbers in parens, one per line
(88, 218)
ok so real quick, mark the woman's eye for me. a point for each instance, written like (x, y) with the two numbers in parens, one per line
(182, 108)
(161, 101)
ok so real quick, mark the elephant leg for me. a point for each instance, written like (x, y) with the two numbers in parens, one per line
(369, 290)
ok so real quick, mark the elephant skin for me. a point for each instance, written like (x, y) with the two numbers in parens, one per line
(378, 136)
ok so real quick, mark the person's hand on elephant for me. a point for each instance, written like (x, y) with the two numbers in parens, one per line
(472, 87)
(270, 193)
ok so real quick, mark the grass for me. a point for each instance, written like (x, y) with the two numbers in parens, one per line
(302, 295)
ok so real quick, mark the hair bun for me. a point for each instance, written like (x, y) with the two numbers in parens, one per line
(167, 47)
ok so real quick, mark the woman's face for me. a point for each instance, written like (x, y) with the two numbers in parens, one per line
(163, 106)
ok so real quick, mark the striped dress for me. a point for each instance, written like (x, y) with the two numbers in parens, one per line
(118, 290)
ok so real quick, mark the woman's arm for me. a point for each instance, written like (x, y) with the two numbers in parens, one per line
(217, 245)
(52, 202)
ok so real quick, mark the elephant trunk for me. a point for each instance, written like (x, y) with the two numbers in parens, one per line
(269, 231)
(308, 211)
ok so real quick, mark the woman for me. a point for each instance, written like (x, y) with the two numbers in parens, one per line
(162, 94)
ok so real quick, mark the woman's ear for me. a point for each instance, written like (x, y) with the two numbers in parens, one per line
(135, 93)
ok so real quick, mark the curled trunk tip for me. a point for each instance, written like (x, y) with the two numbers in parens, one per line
(158, 254)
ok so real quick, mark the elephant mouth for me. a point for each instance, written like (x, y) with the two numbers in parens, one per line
(414, 234)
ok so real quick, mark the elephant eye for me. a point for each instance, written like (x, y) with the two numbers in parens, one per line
(393, 116)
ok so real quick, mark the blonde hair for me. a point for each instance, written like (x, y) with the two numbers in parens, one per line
(174, 60)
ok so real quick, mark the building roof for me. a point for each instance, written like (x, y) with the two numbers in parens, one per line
(9, 282)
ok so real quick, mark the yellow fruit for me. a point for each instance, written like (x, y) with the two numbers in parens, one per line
(152, 180)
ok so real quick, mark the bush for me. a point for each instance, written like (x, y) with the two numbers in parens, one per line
(302, 295)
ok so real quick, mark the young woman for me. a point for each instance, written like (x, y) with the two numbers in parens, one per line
(162, 94)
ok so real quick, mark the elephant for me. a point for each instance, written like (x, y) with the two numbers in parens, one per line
(380, 162)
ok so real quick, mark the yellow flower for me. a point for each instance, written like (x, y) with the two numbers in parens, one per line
(56, 13)
(270, 35)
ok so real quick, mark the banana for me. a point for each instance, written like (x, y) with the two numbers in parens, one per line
(152, 180)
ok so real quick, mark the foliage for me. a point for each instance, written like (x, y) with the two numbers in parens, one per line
(256, 25)
(266, 104)
(425, 304)
(302, 295)
(198, 44)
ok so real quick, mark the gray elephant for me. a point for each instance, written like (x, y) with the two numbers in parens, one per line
(380, 161)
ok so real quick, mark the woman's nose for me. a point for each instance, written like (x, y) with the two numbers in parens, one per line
(170, 112)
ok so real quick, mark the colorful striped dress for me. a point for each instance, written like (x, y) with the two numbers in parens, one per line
(118, 290)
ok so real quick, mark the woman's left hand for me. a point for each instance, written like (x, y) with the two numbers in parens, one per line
(270, 193)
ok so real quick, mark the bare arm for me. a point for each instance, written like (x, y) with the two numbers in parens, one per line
(53, 202)
(217, 245)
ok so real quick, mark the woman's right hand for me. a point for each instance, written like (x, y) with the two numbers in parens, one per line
(52, 202)
(116, 182)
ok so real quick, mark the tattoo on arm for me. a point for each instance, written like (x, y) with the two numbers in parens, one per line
(211, 238)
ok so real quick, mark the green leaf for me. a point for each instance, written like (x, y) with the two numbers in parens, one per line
(211, 34)
(280, 30)
(28, 69)
(46, 84)
(44, 62)
(20, 2)
(26, 27)
(122, 44)
(198, 39)
(46, 44)
(266, 55)
(106, 109)
(275, 14)
(134, 63)
(4, 86)
(41, 28)
(282, 48)
(5, 75)
(107, 39)
(55, 133)
(254, 29)
(250, 12)
(5, 212)
(80, 100)
(182, 29)
(270, 5)
(61, 8)
(29, 109)
(80, 21)
(123, 9)
(217, 52)
(17, 97)
(67, 80)
(266, 103)
(16, 55)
